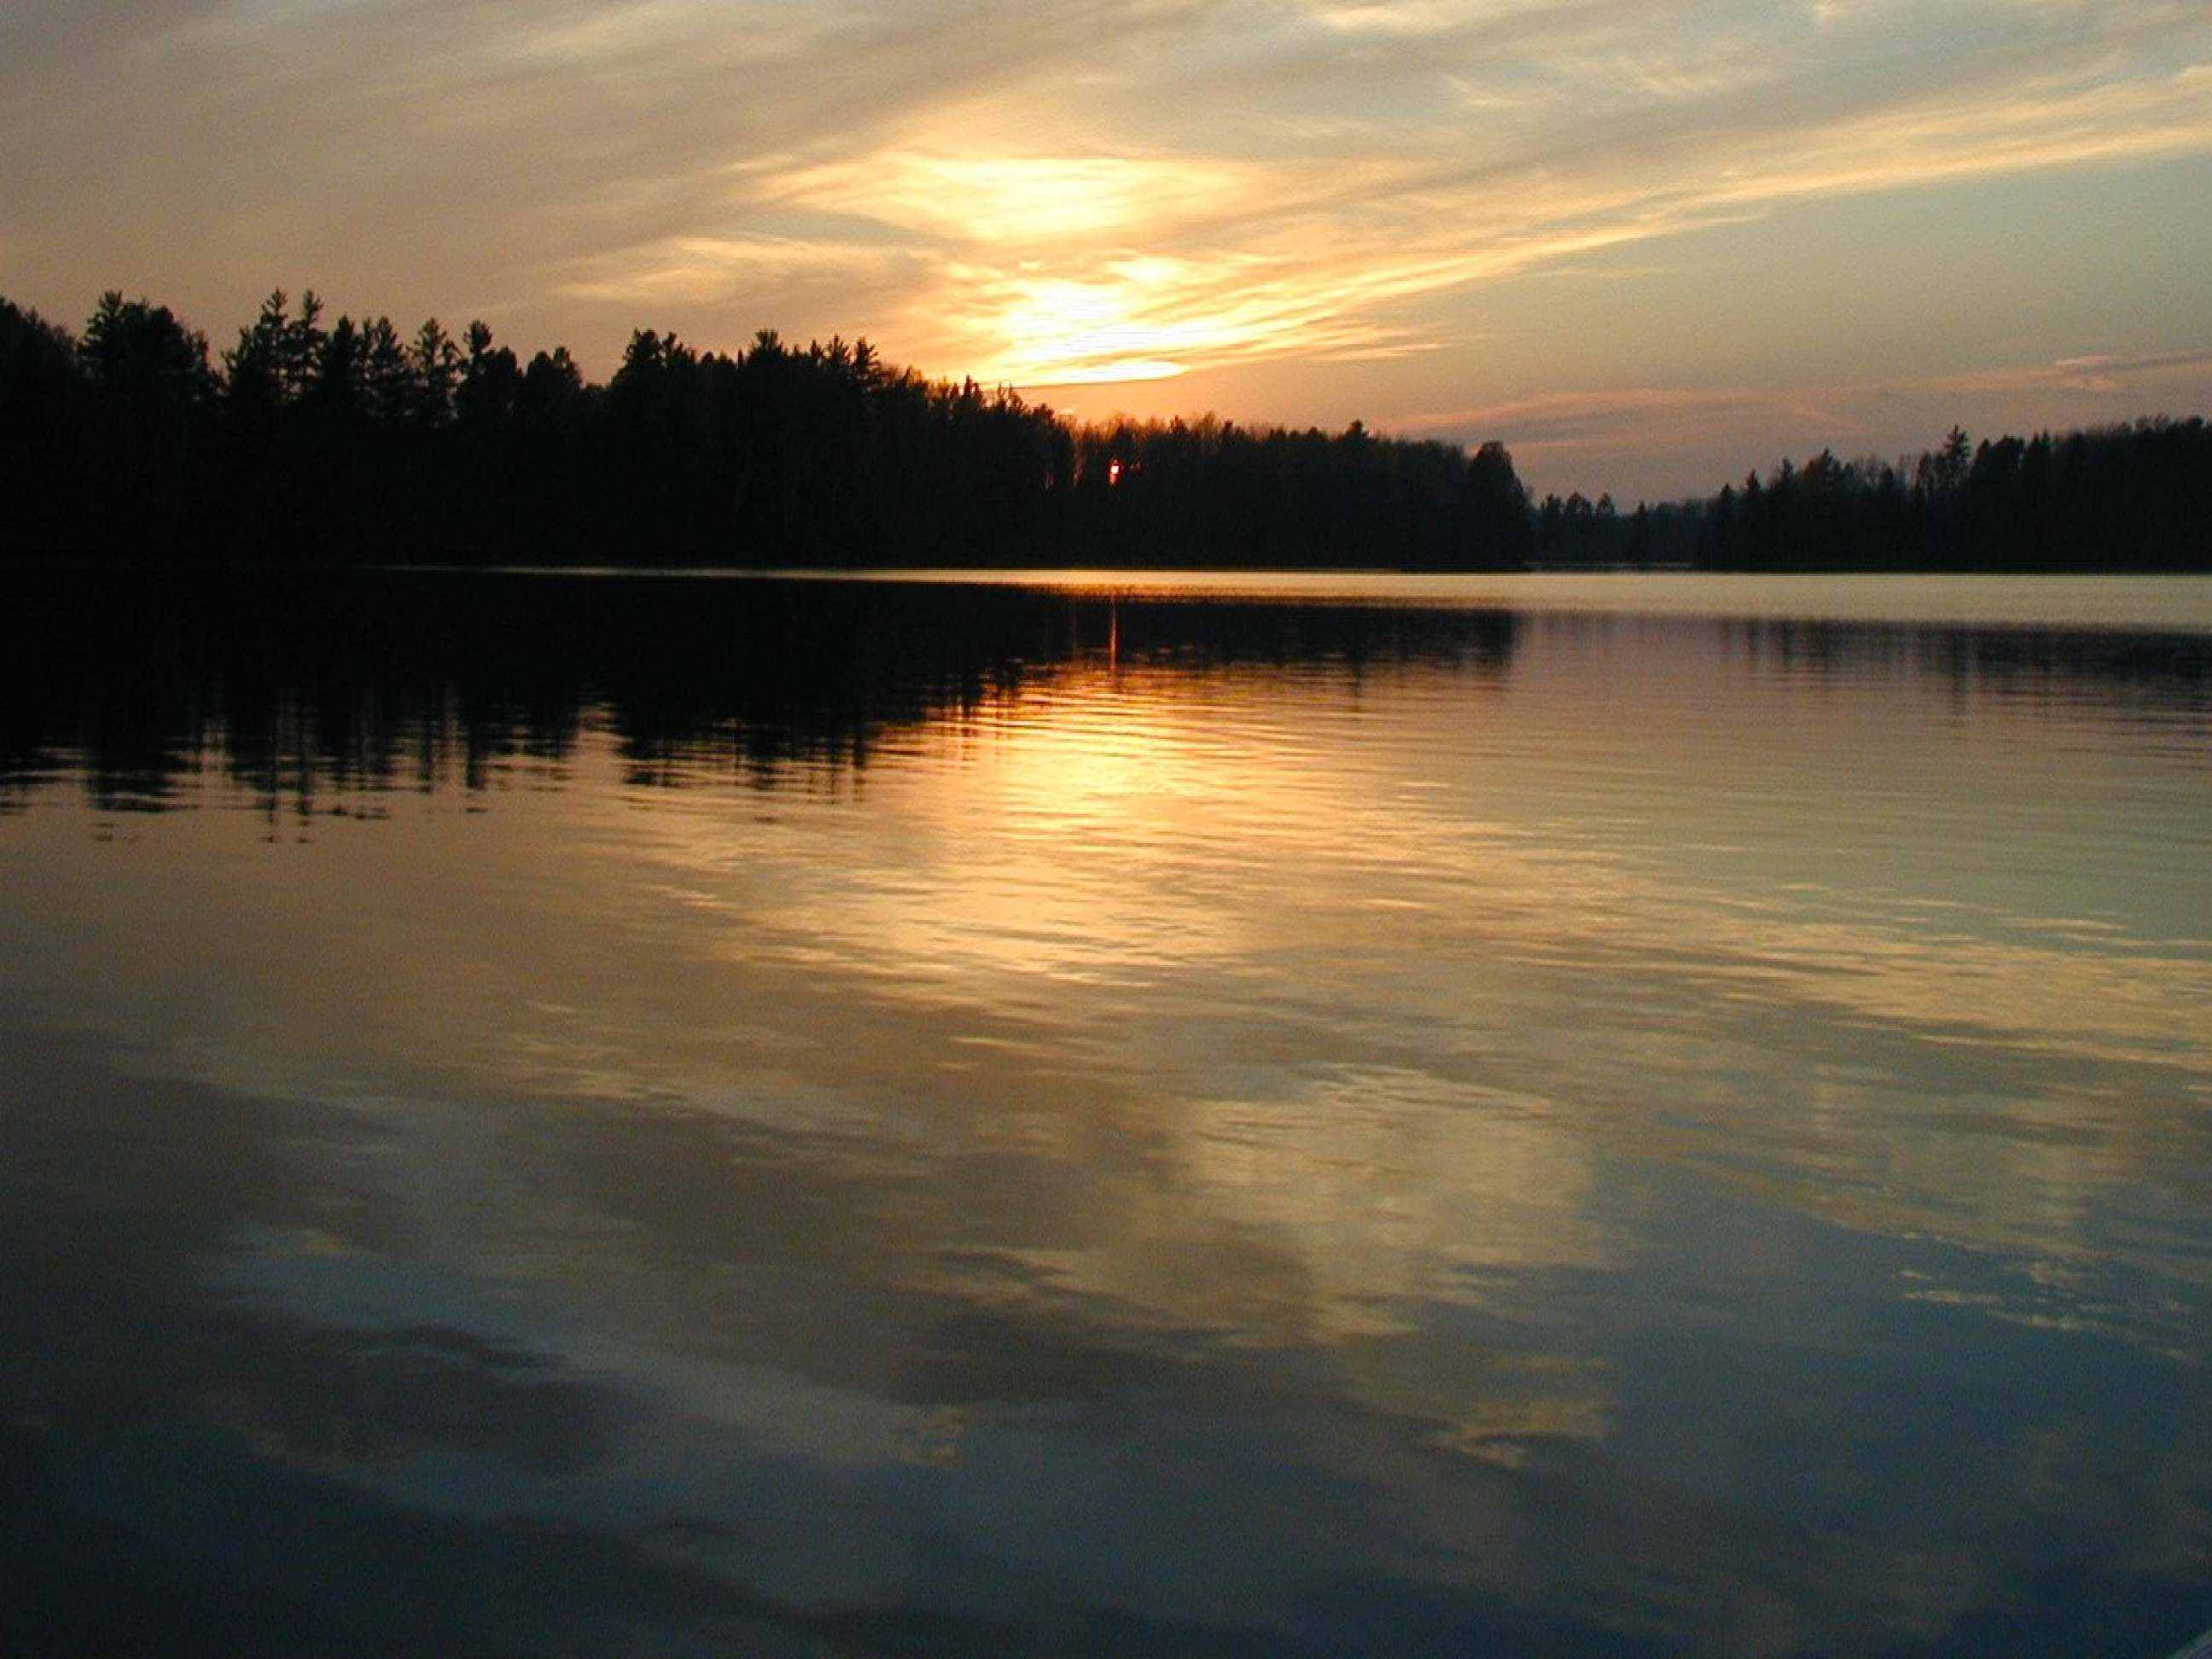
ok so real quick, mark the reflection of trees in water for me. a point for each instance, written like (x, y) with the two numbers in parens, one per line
(2159, 669)
(407, 681)
(381, 681)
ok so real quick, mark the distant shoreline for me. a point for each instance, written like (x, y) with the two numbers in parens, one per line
(1021, 574)
(316, 444)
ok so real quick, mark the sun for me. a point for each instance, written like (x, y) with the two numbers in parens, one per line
(1058, 331)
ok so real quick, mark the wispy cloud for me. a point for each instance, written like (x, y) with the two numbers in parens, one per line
(1134, 254)
(1855, 415)
(1082, 192)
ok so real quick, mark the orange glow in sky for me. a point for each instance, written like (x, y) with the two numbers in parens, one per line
(1646, 247)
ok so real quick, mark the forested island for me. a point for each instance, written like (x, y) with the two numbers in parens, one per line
(347, 441)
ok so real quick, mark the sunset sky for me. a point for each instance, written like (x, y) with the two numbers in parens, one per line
(1646, 244)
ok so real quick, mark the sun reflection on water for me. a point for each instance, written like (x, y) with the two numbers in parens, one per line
(1511, 1086)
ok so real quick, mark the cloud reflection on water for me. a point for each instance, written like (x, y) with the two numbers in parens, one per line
(1338, 1127)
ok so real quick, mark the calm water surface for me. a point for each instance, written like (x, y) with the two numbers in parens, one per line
(1326, 1115)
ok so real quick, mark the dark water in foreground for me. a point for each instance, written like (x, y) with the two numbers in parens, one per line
(568, 1115)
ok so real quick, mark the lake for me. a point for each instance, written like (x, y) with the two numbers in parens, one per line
(1322, 1114)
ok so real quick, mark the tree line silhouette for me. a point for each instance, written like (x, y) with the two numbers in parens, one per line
(347, 441)
(2133, 497)
(313, 440)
